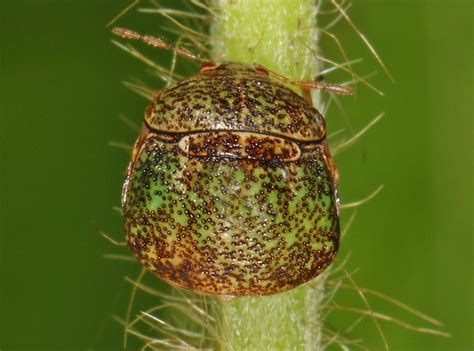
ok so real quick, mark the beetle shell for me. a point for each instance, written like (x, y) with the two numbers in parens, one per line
(231, 189)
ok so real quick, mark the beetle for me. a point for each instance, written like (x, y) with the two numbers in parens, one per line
(231, 189)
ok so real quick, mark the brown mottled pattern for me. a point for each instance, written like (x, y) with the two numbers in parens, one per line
(241, 145)
(229, 98)
(218, 215)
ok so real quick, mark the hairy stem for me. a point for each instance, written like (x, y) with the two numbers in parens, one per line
(282, 36)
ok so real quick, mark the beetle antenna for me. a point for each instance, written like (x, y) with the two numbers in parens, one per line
(157, 43)
(310, 84)
(316, 84)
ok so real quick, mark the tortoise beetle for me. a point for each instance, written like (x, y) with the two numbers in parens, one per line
(231, 189)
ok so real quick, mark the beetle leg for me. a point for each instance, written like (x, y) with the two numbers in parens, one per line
(307, 96)
(261, 70)
(207, 66)
(155, 95)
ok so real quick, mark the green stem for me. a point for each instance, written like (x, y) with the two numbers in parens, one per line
(278, 34)
(282, 36)
(287, 321)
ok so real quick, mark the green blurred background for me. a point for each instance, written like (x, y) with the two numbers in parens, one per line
(60, 99)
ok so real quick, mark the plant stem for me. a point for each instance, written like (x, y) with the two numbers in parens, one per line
(287, 321)
(282, 36)
(277, 34)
